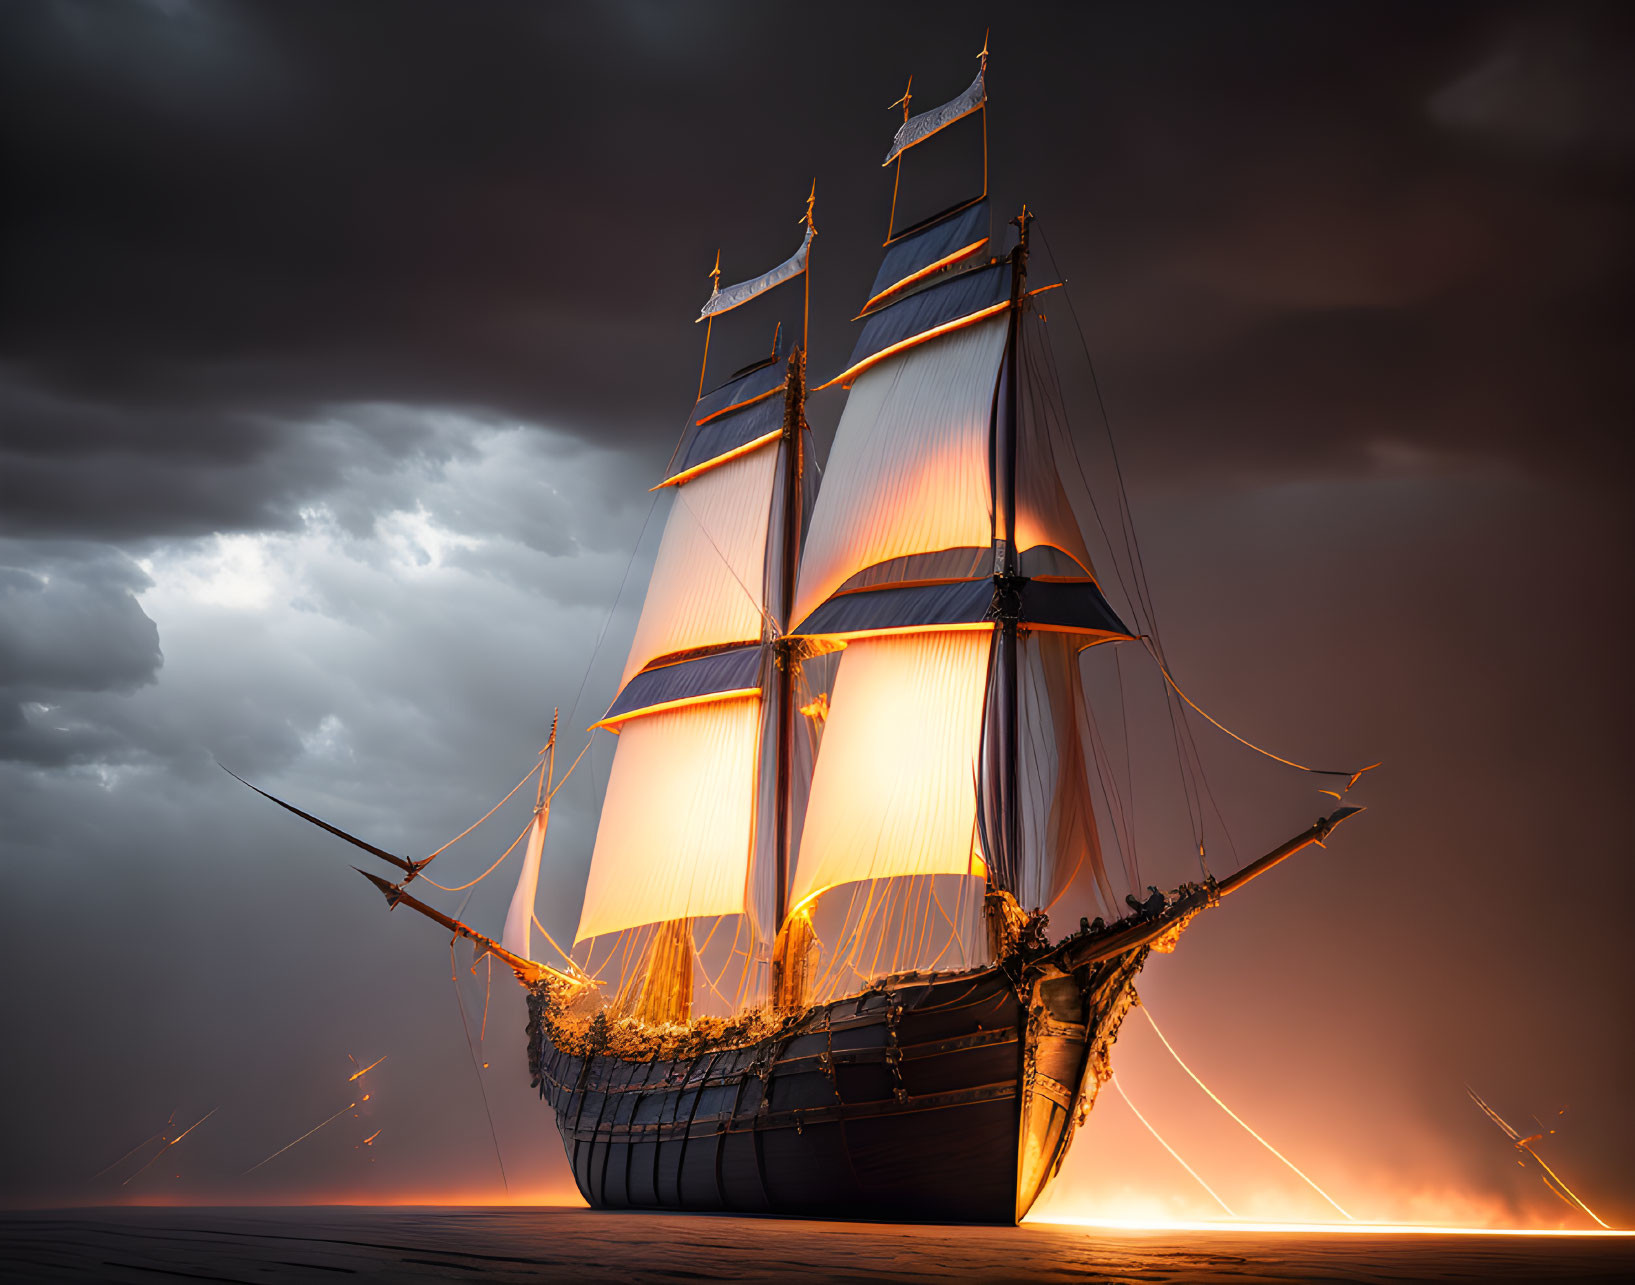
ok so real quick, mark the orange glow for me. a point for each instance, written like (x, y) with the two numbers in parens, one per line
(615, 724)
(845, 377)
(922, 274)
(687, 475)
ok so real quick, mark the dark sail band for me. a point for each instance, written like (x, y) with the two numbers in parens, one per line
(726, 436)
(718, 676)
(948, 305)
(1071, 607)
(919, 254)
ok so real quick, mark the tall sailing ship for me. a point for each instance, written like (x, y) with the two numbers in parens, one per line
(855, 767)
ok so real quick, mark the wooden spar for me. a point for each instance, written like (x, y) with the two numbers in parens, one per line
(1318, 832)
(1143, 932)
(411, 868)
(544, 792)
(528, 971)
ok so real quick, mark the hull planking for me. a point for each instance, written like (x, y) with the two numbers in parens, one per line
(927, 1098)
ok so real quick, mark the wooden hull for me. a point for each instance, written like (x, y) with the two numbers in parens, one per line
(929, 1098)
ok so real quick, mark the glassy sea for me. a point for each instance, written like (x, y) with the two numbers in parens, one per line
(517, 1244)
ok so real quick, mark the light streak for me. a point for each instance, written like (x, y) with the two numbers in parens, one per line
(1170, 1149)
(122, 1159)
(356, 1075)
(212, 1111)
(1522, 1144)
(1353, 1228)
(370, 1139)
(302, 1138)
(1307, 1180)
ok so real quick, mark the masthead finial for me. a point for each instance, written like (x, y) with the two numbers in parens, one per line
(715, 276)
(984, 54)
(811, 199)
(907, 97)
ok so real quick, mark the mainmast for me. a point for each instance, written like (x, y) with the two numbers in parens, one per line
(1007, 571)
(794, 431)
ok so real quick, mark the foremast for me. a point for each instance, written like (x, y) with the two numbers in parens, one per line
(697, 815)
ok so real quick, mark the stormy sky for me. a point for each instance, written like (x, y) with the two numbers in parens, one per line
(339, 345)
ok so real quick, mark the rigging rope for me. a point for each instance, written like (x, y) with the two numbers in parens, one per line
(537, 767)
(1315, 771)
(465, 1026)
(462, 887)
(1192, 774)
(1113, 1080)
(1239, 1119)
(567, 958)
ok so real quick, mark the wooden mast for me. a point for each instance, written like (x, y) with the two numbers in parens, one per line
(1008, 568)
(790, 941)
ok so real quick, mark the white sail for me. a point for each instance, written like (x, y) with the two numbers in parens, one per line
(909, 470)
(678, 820)
(517, 936)
(707, 583)
(894, 791)
(1060, 844)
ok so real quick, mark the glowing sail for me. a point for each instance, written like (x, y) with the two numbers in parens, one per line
(676, 825)
(908, 473)
(707, 586)
(894, 791)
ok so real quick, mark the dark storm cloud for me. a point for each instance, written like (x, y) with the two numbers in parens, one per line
(70, 627)
(226, 218)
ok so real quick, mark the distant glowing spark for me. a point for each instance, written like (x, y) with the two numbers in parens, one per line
(1114, 1082)
(367, 1141)
(365, 1071)
(302, 1138)
(1239, 1118)
(212, 1111)
(1552, 1179)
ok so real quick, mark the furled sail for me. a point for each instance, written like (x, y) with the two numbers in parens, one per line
(894, 789)
(674, 837)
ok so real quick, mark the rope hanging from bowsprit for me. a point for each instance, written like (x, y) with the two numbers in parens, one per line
(1351, 776)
